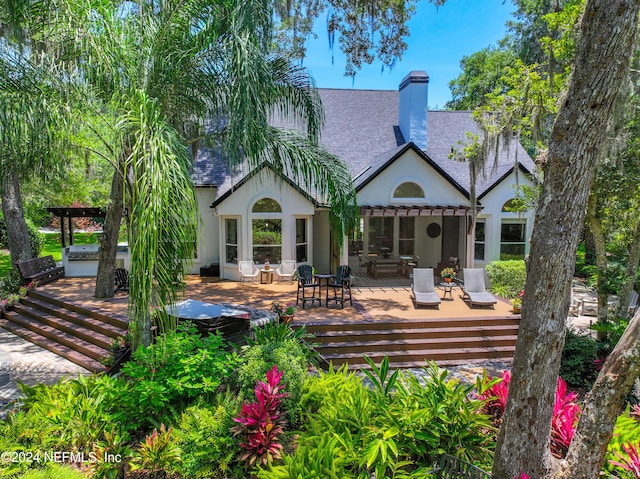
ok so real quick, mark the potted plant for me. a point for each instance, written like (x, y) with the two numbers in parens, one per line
(516, 303)
(447, 274)
(285, 312)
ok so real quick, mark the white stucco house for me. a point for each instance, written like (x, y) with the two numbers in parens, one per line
(414, 199)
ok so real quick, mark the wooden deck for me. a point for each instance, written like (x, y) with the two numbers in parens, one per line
(383, 321)
(370, 303)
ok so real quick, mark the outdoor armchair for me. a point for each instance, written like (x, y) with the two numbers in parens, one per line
(307, 281)
(424, 288)
(248, 270)
(341, 282)
(286, 269)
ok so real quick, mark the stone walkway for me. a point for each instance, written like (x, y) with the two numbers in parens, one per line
(23, 361)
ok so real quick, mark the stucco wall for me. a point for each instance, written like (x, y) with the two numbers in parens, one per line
(239, 205)
(410, 167)
(208, 230)
(493, 216)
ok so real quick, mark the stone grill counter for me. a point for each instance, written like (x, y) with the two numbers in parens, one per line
(82, 260)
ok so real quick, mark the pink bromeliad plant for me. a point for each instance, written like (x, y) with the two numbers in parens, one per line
(565, 411)
(496, 395)
(261, 422)
(565, 417)
(630, 462)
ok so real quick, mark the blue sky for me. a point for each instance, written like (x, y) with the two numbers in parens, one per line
(439, 38)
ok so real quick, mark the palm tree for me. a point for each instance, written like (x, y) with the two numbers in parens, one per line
(173, 75)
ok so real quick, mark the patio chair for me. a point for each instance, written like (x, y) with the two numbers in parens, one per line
(122, 280)
(248, 270)
(307, 281)
(475, 291)
(286, 269)
(341, 282)
(424, 288)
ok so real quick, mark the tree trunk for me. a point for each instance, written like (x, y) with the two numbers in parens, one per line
(17, 232)
(600, 242)
(606, 41)
(630, 274)
(105, 278)
(603, 405)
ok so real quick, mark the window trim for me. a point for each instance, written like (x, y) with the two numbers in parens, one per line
(410, 200)
(524, 242)
(236, 244)
(483, 242)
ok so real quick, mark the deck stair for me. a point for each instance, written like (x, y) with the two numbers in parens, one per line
(81, 335)
(409, 343)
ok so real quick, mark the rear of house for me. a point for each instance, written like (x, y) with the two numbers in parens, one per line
(414, 200)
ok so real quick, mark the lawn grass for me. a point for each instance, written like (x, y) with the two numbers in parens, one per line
(52, 246)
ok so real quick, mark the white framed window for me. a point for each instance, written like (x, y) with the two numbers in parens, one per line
(302, 241)
(266, 231)
(406, 236)
(231, 240)
(408, 189)
(479, 240)
(380, 235)
(513, 239)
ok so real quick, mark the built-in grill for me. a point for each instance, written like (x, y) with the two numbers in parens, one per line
(82, 260)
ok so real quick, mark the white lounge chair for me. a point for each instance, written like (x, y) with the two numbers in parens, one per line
(286, 269)
(424, 288)
(248, 270)
(474, 289)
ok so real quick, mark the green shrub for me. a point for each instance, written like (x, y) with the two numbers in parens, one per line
(436, 416)
(279, 332)
(289, 356)
(507, 277)
(204, 436)
(395, 432)
(578, 366)
(627, 430)
(54, 471)
(171, 373)
(10, 283)
(158, 454)
(70, 415)
(36, 239)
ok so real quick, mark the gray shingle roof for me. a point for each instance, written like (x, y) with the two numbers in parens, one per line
(361, 128)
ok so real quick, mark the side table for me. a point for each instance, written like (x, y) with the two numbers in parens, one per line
(326, 278)
(448, 291)
(266, 276)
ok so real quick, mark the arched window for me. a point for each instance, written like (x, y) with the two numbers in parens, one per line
(266, 205)
(508, 206)
(408, 189)
(266, 231)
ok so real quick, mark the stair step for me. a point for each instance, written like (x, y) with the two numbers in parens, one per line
(61, 337)
(412, 333)
(61, 324)
(82, 320)
(443, 363)
(50, 345)
(348, 325)
(433, 345)
(114, 319)
(461, 354)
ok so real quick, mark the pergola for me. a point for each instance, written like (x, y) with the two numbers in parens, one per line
(74, 212)
(415, 210)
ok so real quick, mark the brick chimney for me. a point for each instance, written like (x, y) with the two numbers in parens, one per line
(413, 107)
